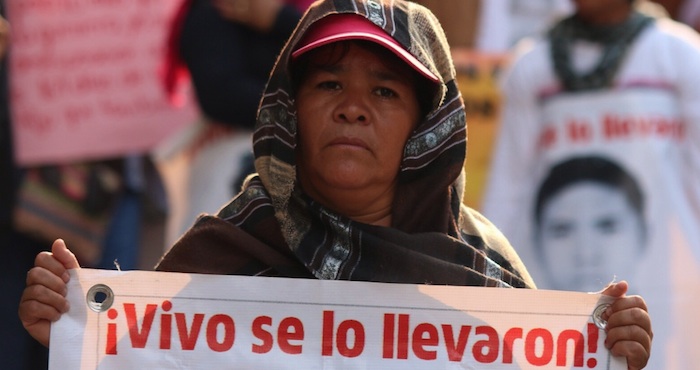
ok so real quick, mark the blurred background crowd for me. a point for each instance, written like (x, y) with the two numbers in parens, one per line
(117, 150)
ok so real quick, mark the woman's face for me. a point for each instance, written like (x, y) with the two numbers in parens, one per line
(589, 234)
(354, 118)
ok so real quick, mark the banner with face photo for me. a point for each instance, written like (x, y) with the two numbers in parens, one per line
(158, 320)
(607, 203)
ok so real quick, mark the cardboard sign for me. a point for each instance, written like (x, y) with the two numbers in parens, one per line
(85, 78)
(156, 320)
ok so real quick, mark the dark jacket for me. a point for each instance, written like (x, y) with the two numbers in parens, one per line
(230, 62)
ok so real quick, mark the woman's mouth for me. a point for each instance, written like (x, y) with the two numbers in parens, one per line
(349, 141)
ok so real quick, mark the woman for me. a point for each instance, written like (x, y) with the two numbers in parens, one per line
(328, 230)
(359, 147)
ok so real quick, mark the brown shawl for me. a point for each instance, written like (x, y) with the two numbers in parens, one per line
(271, 228)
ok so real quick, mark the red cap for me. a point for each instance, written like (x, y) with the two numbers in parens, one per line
(341, 27)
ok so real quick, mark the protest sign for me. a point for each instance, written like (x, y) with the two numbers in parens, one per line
(158, 320)
(85, 78)
(477, 76)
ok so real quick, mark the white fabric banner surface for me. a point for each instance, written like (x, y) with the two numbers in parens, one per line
(158, 320)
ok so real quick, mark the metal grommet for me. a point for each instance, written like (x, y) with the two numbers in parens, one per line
(100, 298)
(598, 316)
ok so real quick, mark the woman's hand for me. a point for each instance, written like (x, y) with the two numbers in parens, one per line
(257, 14)
(44, 298)
(629, 331)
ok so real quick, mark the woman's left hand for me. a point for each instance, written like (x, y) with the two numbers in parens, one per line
(629, 331)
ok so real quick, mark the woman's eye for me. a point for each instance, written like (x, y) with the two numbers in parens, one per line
(329, 85)
(385, 92)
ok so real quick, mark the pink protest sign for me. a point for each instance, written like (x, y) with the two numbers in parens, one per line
(84, 78)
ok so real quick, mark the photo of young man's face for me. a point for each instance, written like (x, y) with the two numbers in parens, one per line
(589, 234)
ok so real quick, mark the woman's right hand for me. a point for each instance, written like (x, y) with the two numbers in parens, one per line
(44, 298)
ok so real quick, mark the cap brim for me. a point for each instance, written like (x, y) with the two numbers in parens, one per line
(354, 27)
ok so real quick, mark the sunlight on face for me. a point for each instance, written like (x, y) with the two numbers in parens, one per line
(354, 118)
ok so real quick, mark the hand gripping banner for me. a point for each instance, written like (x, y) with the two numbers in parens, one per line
(158, 320)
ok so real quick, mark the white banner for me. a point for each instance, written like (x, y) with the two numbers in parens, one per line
(156, 320)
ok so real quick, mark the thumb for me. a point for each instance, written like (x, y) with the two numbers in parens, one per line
(64, 255)
(616, 289)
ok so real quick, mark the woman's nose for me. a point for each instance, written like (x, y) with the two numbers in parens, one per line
(351, 109)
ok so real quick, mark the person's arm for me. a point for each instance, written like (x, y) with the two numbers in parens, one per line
(260, 15)
(230, 61)
(44, 298)
(270, 17)
(629, 332)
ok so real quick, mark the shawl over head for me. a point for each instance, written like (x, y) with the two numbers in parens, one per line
(272, 228)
